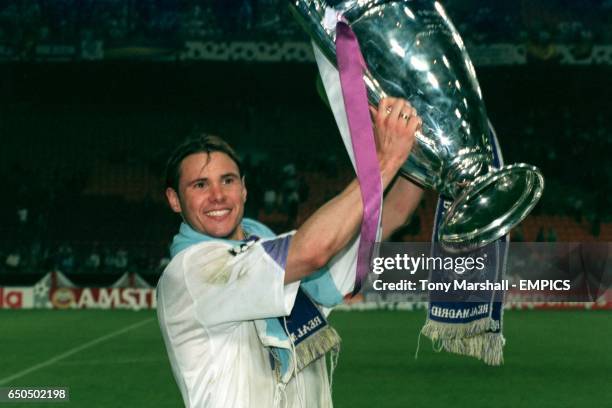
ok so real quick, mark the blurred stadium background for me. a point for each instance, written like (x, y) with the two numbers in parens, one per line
(94, 95)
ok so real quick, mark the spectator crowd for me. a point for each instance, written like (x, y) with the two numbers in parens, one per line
(161, 24)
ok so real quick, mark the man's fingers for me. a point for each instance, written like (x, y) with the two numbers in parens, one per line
(394, 112)
(413, 124)
(373, 113)
(383, 105)
(407, 114)
(386, 104)
(397, 114)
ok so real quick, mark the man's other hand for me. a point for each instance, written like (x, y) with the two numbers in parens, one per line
(395, 125)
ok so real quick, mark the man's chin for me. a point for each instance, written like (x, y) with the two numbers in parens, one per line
(224, 234)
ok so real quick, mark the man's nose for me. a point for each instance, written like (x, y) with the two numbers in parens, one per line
(216, 193)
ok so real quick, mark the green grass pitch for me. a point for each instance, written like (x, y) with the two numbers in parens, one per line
(552, 359)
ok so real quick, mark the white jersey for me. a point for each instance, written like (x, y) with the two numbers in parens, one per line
(208, 301)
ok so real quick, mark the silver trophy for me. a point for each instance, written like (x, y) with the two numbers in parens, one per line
(412, 50)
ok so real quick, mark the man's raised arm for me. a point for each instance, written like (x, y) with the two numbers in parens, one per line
(331, 227)
(400, 201)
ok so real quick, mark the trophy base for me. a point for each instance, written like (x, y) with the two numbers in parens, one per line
(490, 207)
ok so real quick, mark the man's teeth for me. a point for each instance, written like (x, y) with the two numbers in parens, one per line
(217, 213)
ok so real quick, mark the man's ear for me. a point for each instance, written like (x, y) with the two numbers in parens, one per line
(173, 200)
(244, 190)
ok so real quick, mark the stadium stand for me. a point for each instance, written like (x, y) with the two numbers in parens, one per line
(84, 143)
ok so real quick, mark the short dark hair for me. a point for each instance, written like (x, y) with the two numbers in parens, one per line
(202, 143)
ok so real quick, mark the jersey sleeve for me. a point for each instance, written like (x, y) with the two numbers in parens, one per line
(238, 283)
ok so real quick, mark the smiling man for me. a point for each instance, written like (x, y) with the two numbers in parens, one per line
(211, 190)
(243, 310)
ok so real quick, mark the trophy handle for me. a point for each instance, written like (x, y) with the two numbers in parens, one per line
(490, 207)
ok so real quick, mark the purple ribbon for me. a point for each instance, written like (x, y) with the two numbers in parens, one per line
(351, 67)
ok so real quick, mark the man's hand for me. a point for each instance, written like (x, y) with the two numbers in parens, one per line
(395, 124)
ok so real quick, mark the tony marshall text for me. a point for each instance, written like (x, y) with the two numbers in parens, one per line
(456, 285)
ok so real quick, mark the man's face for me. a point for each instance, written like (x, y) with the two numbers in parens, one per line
(211, 195)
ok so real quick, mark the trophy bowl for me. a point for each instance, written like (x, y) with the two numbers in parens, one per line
(413, 51)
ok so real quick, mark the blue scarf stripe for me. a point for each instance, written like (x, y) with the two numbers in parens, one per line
(187, 236)
(321, 287)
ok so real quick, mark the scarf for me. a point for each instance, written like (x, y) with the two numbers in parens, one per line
(469, 326)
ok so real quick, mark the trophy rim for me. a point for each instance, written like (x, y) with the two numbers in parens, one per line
(497, 228)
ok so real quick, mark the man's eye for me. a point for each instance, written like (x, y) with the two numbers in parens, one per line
(200, 184)
(228, 180)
